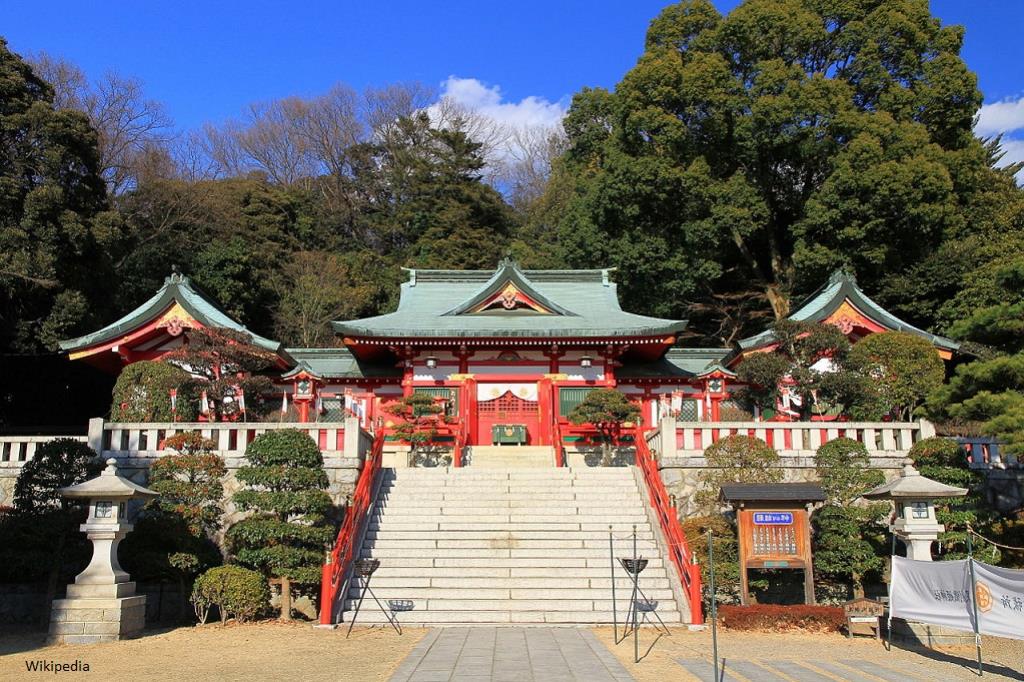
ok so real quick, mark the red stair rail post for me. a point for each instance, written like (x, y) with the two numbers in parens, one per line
(340, 558)
(679, 548)
(559, 446)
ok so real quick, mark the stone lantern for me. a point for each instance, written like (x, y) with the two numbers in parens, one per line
(101, 604)
(914, 521)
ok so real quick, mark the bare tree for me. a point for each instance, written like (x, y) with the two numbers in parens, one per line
(128, 124)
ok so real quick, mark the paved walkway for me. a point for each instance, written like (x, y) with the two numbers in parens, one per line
(808, 670)
(510, 655)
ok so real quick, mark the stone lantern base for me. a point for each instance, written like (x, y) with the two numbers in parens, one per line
(97, 613)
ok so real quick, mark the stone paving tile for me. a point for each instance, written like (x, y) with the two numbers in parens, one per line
(780, 670)
(797, 672)
(845, 673)
(752, 671)
(879, 671)
(703, 670)
(510, 655)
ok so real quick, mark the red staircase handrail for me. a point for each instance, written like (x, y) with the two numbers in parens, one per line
(345, 550)
(678, 547)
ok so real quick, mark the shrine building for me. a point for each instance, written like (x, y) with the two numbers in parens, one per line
(495, 347)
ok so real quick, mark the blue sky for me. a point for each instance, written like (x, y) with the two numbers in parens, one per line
(206, 60)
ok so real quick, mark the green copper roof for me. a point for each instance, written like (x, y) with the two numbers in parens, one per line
(435, 303)
(176, 289)
(677, 362)
(337, 363)
(826, 300)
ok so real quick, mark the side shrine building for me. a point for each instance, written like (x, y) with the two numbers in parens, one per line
(499, 348)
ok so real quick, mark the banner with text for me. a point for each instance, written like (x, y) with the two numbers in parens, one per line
(939, 593)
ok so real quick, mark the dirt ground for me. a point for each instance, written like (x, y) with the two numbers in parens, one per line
(276, 651)
(265, 651)
(1003, 658)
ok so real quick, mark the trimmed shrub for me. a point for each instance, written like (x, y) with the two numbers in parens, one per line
(773, 618)
(286, 486)
(236, 592)
(56, 464)
(736, 459)
(143, 393)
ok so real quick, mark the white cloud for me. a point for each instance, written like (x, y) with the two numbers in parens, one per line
(1000, 117)
(1004, 118)
(487, 100)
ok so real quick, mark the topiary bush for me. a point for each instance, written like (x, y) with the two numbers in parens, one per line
(285, 485)
(143, 393)
(736, 459)
(236, 592)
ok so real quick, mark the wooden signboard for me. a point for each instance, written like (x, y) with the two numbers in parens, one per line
(774, 529)
(862, 617)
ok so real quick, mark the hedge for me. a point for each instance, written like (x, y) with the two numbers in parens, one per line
(774, 617)
(236, 592)
(143, 393)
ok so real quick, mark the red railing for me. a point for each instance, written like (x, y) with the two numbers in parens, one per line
(559, 446)
(346, 548)
(678, 548)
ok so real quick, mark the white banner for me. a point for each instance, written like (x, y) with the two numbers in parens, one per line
(485, 392)
(939, 593)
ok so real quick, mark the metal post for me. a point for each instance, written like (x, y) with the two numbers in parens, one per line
(714, 602)
(636, 625)
(974, 600)
(892, 553)
(615, 614)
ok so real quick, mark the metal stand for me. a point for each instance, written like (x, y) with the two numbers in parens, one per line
(639, 604)
(364, 569)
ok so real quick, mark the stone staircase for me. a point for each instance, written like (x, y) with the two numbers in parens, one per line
(510, 456)
(510, 545)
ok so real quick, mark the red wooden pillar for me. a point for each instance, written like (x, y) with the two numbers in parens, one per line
(545, 411)
(468, 408)
(303, 410)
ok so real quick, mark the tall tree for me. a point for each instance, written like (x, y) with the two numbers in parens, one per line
(51, 191)
(748, 155)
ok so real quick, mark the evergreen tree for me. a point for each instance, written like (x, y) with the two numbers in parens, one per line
(51, 191)
(746, 156)
(609, 411)
(844, 543)
(285, 488)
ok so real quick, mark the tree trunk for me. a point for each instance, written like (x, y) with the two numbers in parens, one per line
(286, 599)
(858, 586)
(778, 301)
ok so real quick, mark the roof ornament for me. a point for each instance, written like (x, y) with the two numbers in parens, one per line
(176, 276)
(844, 273)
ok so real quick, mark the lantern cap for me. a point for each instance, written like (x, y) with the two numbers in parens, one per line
(108, 485)
(911, 484)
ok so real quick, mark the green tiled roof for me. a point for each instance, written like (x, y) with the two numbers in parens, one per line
(826, 300)
(337, 363)
(678, 362)
(176, 289)
(435, 303)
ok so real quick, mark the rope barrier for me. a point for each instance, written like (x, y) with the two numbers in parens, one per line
(993, 542)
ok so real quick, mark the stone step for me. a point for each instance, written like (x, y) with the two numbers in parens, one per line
(398, 502)
(490, 519)
(512, 595)
(578, 523)
(489, 552)
(545, 563)
(371, 615)
(571, 578)
(389, 580)
(489, 510)
(466, 498)
(543, 605)
(384, 534)
(643, 546)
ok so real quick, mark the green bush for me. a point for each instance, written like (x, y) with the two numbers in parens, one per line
(736, 459)
(899, 371)
(143, 393)
(236, 592)
(285, 485)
